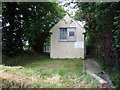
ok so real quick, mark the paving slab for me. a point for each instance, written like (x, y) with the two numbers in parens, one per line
(92, 68)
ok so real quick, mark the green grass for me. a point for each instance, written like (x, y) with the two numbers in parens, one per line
(50, 73)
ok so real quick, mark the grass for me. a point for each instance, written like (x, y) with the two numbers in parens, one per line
(43, 72)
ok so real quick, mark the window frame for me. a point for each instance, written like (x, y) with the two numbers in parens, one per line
(59, 36)
(69, 38)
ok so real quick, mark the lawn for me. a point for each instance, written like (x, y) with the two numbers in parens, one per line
(43, 72)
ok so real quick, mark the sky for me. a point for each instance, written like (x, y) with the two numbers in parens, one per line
(71, 10)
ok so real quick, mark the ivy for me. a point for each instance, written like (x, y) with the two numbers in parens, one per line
(103, 34)
(103, 30)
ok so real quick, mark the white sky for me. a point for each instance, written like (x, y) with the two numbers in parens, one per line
(71, 10)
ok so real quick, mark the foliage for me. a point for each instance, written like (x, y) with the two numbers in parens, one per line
(103, 32)
(47, 41)
(114, 74)
(12, 31)
(116, 32)
(28, 22)
(99, 18)
(115, 77)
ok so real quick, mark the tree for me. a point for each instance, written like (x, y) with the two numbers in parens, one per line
(28, 22)
(116, 32)
(12, 29)
(99, 19)
(103, 32)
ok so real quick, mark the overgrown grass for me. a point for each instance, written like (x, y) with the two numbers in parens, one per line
(44, 72)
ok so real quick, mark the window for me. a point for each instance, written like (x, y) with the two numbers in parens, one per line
(63, 33)
(71, 34)
(67, 34)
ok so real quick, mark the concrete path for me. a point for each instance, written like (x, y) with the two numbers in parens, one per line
(92, 68)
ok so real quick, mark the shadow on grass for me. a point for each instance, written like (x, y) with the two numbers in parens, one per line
(23, 59)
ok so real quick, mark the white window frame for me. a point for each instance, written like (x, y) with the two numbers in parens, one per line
(69, 38)
(60, 35)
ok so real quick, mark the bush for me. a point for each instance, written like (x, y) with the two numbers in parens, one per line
(115, 77)
(114, 73)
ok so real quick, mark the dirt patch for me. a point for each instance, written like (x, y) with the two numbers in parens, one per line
(18, 79)
(54, 79)
(81, 84)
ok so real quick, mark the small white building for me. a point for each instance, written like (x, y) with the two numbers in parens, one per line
(67, 39)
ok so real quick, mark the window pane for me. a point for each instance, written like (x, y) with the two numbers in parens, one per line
(63, 33)
(71, 33)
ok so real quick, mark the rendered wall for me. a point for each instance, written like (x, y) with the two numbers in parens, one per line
(66, 49)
